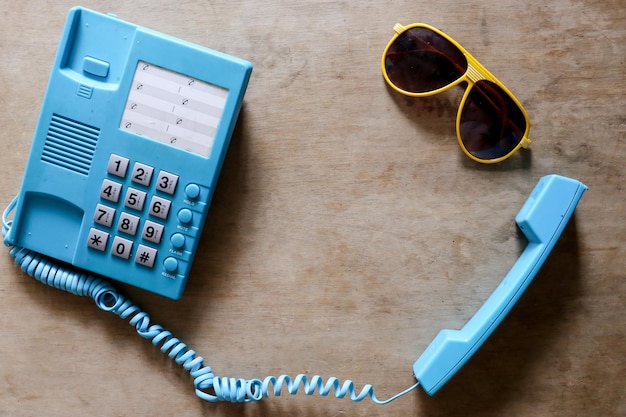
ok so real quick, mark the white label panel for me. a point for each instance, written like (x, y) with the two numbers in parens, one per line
(172, 108)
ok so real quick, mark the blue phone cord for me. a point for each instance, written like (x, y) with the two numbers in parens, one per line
(208, 386)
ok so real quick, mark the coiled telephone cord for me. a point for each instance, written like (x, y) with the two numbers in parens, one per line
(208, 386)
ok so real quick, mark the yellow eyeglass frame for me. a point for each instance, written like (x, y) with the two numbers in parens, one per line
(475, 72)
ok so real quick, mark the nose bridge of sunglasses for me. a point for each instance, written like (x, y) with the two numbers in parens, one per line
(476, 71)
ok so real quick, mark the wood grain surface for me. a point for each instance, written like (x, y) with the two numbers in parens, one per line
(348, 227)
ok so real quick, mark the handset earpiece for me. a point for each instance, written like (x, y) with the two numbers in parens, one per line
(542, 219)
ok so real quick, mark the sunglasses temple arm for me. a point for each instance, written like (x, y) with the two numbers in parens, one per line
(542, 219)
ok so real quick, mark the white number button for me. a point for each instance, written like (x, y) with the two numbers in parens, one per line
(128, 224)
(145, 256)
(118, 165)
(104, 215)
(111, 191)
(121, 247)
(97, 239)
(160, 207)
(167, 182)
(142, 174)
(135, 199)
(152, 231)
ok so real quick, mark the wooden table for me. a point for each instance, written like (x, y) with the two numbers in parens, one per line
(348, 227)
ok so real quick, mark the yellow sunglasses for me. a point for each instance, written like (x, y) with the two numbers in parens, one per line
(420, 61)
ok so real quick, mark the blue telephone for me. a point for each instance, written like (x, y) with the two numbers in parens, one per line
(132, 134)
(130, 141)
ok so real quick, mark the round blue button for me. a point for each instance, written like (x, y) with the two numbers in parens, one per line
(185, 216)
(178, 240)
(170, 264)
(192, 191)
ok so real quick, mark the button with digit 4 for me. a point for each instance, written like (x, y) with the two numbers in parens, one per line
(110, 191)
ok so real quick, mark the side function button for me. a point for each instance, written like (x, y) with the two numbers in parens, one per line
(178, 240)
(185, 216)
(192, 191)
(170, 264)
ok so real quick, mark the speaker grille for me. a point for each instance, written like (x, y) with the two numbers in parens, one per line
(70, 144)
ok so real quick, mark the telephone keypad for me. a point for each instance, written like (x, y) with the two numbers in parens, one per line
(129, 221)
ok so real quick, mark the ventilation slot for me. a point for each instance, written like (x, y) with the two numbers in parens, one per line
(84, 91)
(70, 144)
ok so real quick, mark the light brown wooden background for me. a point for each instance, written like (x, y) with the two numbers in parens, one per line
(348, 228)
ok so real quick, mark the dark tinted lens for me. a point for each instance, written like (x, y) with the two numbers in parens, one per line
(420, 60)
(491, 123)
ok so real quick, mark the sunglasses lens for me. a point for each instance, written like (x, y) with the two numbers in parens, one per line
(420, 60)
(491, 123)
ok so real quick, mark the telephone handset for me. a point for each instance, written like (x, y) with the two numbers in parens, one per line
(132, 134)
